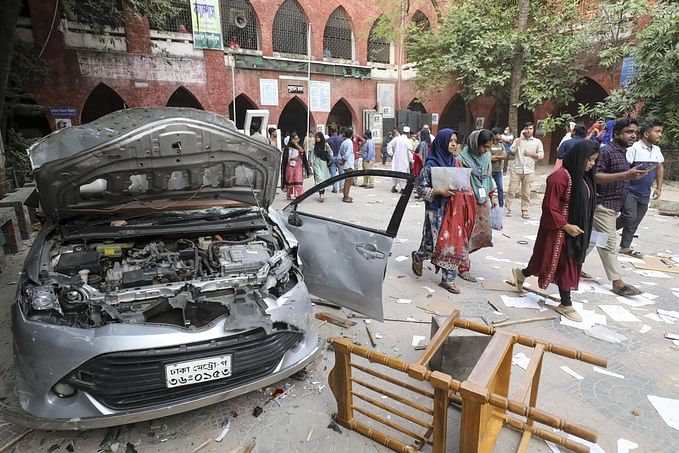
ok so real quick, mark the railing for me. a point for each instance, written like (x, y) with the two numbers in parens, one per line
(419, 397)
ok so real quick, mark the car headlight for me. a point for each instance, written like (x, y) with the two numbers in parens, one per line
(43, 298)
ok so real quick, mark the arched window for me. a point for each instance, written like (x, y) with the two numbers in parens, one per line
(337, 36)
(378, 47)
(183, 98)
(420, 21)
(239, 24)
(290, 29)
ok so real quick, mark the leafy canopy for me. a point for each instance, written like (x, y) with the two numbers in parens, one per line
(106, 13)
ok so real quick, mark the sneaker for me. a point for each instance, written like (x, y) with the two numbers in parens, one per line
(518, 278)
(416, 264)
(393, 190)
(569, 312)
(334, 190)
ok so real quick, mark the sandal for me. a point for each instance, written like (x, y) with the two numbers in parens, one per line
(416, 264)
(468, 277)
(567, 311)
(348, 200)
(632, 253)
(627, 291)
(450, 287)
(525, 216)
(585, 275)
(518, 279)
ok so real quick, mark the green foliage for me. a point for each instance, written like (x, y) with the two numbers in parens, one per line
(653, 89)
(16, 156)
(105, 13)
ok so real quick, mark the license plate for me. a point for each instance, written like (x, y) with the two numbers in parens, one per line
(195, 371)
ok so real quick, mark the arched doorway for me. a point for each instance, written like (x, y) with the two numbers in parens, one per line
(454, 116)
(101, 101)
(340, 115)
(243, 103)
(416, 106)
(293, 117)
(183, 98)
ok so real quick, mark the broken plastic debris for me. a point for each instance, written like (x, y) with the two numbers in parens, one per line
(334, 426)
(257, 411)
(571, 372)
(368, 321)
(378, 335)
(404, 301)
(431, 290)
(418, 340)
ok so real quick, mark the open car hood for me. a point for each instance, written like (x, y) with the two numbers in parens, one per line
(146, 157)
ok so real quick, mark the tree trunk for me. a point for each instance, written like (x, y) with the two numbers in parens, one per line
(517, 68)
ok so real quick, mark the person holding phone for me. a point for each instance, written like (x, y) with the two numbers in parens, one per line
(527, 151)
(646, 155)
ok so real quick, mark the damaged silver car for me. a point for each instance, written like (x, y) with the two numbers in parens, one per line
(162, 282)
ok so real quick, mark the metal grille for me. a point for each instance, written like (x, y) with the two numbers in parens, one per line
(181, 22)
(420, 21)
(290, 29)
(337, 35)
(239, 24)
(378, 47)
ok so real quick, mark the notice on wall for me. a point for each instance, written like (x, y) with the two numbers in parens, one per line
(385, 99)
(268, 91)
(207, 26)
(319, 96)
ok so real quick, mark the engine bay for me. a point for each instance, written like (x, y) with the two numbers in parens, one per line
(187, 281)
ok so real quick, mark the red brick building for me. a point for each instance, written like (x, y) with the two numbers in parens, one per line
(351, 70)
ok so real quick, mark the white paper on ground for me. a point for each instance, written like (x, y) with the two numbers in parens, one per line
(648, 283)
(674, 289)
(630, 259)
(418, 340)
(593, 448)
(404, 301)
(648, 296)
(594, 288)
(645, 328)
(607, 373)
(653, 316)
(618, 313)
(670, 313)
(532, 237)
(605, 334)
(571, 372)
(666, 319)
(430, 290)
(519, 302)
(378, 335)
(668, 409)
(676, 294)
(400, 241)
(589, 318)
(635, 301)
(624, 445)
(651, 274)
(499, 260)
(552, 446)
(521, 360)
(401, 258)
(675, 342)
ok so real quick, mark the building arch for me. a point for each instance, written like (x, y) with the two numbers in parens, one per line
(290, 27)
(293, 118)
(101, 101)
(338, 36)
(341, 115)
(182, 97)
(379, 48)
(240, 26)
(243, 104)
(419, 21)
(454, 116)
(416, 105)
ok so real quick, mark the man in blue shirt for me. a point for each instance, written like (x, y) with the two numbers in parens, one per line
(579, 133)
(346, 161)
(368, 155)
(335, 141)
(645, 154)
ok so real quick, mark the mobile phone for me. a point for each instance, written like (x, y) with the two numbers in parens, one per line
(649, 167)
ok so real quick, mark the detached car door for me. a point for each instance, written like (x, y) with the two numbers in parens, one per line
(343, 261)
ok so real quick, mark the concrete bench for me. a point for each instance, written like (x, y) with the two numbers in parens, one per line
(24, 215)
(10, 229)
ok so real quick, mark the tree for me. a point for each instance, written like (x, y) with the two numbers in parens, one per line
(525, 51)
(652, 92)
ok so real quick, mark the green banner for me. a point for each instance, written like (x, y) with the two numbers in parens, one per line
(207, 27)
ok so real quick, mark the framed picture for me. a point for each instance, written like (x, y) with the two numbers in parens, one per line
(62, 123)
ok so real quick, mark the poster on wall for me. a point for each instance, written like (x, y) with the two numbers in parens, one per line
(268, 91)
(319, 96)
(434, 119)
(385, 99)
(480, 122)
(62, 123)
(207, 26)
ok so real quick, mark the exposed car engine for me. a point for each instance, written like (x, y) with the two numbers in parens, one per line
(187, 281)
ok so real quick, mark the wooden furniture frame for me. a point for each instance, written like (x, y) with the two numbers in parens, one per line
(483, 397)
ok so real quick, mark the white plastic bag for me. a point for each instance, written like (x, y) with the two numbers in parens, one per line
(496, 216)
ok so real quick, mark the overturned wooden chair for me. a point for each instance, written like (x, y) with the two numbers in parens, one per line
(419, 398)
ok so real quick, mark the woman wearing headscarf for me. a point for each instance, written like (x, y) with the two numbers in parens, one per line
(321, 158)
(424, 146)
(476, 156)
(449, 216)
(565, 227)
(296, 165)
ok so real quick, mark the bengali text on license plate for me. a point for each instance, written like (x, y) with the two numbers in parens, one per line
(195, 371)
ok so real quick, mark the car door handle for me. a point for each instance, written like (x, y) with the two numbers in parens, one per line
(369, 251)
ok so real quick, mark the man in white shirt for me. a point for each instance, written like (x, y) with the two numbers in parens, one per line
(527, 150)
(346, 161)
(645, 154)
(399, 147)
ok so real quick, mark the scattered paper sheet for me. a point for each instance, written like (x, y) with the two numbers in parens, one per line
(667, 319)
(571, 372)
(401, 258)
(500, 260)
(519, 302)
(676, 294)
(552, 446)
(667, 408)
(605, 334)
(589, 318)
(532, 237)
(645, 328)
(594, 287)
(651, 274)
(607, 373)
(404, 301)
(378, 335)
(418, 340)
(654, 317)
(648, 296)
(400, 241)
(670, 313)
(430, 290)
(624, 445)
(618, 313)
(635, 301)
(630, 259)
(648, 283)
(675, 342)
(521, 360)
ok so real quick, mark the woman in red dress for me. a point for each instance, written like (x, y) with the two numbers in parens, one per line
(565, 227)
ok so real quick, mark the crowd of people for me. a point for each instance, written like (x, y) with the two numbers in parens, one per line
(602, 182)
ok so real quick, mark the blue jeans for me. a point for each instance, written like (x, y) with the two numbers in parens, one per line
(333, 172)
(497, 176)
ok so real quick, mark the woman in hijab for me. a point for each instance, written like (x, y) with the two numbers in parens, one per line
(449, 216)
(565, 227)
(477, 157)
(321, 158)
